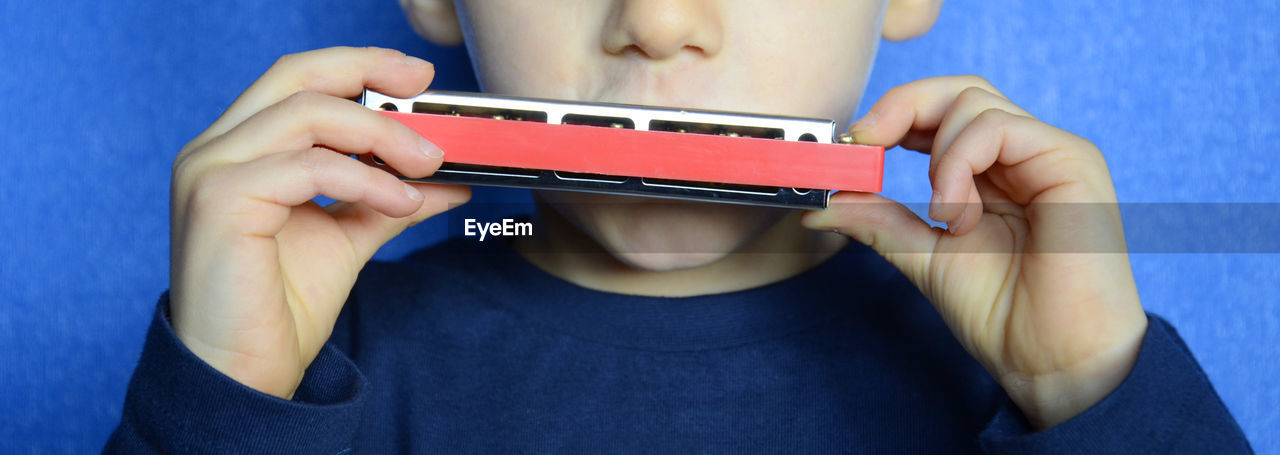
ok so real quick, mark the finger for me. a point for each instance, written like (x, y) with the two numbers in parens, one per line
(342, 72)
(234, 196)
(968, 104)
(307, 119)
(369, 229)
(882, 224)
(994, 199)
(1036, 157)
(971, 212)
(955, 194)
(916, 106)
(918, 141)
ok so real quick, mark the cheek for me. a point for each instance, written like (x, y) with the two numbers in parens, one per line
(818, 73)
(537, 74)
(531, 49)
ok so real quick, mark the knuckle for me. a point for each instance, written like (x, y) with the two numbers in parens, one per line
(203, 191)
(288, 61)
(974, 80)
(181, 170)
(324, 167)
(1088, 147)
(305, 68)
(973, 93)
(189, 167)
(315, 161)
(992, 115)
(302, 101)
(316, 167)
(181, 164)
(1086, 143)
(897, 92)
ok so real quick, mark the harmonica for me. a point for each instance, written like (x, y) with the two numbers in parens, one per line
(634, 150)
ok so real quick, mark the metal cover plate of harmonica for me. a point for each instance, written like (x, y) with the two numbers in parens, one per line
(636, 150)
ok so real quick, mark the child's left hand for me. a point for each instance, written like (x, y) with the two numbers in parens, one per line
(1033, 277)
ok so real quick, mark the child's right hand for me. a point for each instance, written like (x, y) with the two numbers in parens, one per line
(259, 272)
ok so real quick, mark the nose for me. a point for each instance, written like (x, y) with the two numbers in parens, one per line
(660, 29)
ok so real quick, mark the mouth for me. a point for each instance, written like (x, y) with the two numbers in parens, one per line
(681, 83)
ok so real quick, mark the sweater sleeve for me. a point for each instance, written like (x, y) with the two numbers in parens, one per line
(177, 403)
(1165, 405)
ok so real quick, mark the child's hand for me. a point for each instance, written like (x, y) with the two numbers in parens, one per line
(259, 271)
(1032, 278)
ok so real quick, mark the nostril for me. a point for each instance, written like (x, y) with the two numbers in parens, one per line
(659, 52)
(662, 29)
(633, 50)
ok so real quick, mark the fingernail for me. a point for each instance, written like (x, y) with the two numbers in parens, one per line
(412, 192)
(865, 123)
(430, 149)
(952, 227)
(415, 61)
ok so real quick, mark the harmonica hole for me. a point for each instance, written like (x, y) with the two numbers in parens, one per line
(712, 186)
(808, 137)
(587, 177)
(389, 107)
(716, 129)
(597, 120)
(479, 112)
(460, 168)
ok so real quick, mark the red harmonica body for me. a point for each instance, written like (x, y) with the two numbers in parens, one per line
(637, 150)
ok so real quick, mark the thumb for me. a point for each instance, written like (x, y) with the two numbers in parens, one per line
(368, 230)
(886, 226)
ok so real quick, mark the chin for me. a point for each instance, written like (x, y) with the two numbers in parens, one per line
(658, 234)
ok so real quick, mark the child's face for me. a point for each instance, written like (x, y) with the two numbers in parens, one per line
(795, 57)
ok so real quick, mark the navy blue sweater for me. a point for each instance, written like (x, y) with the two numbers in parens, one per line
(465, 348)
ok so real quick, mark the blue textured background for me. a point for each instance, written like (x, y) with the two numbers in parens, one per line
(99, 96)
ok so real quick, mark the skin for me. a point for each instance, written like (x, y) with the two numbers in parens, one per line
(675, 53)
(259, 273)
